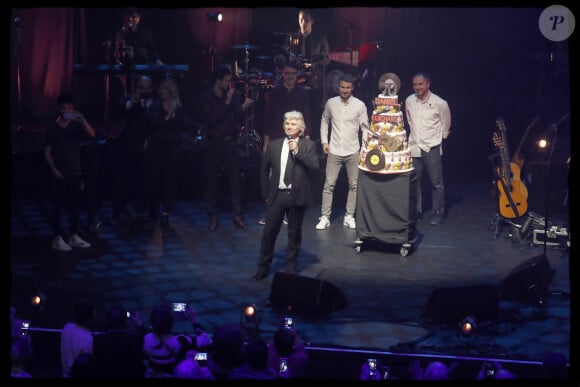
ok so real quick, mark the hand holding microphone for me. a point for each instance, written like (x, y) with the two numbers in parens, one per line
(292, 146)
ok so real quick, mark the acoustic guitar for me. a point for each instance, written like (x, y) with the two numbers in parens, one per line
(513, 192)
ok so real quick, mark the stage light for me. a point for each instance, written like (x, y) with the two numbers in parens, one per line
(251, 317)
(38, 300)
(467, 326)
(542, 143)
(215, 17)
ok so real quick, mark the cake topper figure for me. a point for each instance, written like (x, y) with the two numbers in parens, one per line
(389, 84)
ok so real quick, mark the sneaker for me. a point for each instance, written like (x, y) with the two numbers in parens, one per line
(59, 244)
(437, 218)
(262, 221)
(76, 241)
(285, 220)
(323, 223)
(349, 221)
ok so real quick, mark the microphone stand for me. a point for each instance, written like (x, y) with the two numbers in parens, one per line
(17, 45)
(554, 128)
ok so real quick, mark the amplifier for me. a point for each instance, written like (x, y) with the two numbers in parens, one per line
(557, 236)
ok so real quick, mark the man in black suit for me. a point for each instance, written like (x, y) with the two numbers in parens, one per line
(285, 182)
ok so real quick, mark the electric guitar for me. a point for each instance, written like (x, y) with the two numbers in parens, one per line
(513, 192)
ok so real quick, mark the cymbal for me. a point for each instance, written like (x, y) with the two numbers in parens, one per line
(263, 57)
(245, 46)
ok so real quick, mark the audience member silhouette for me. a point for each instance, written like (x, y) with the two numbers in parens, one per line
(287, 344)
(435, 370)
(555, 365)
(85, 367)
(189, 368)
(76, 337)
(256, 364)
(21, 356)
(227, 351)
(119, 350)
(161, 347)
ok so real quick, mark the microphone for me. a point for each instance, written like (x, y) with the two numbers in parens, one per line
(289, 137)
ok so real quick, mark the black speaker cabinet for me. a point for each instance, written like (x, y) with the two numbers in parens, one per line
(528, 282)
(450, 305)
(305, 295)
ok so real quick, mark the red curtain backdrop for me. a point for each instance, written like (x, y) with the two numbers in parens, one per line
(50, 40)
(53, 39)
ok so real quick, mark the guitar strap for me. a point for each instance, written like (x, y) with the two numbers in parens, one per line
(510, 199)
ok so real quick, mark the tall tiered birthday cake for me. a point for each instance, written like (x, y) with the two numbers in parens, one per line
(384, 147)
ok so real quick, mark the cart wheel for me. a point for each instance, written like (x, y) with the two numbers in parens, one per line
(404, 250)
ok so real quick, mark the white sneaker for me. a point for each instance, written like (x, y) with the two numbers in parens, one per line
(76, 241)
(323, 223)
(349, 221)
(59, 244)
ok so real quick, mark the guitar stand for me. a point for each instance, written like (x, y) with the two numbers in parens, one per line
(498, 221)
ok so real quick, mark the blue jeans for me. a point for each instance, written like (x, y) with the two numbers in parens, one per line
(333, 166)
(431, 161)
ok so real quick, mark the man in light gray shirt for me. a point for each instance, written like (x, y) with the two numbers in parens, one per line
(347, 116)
(429, 119)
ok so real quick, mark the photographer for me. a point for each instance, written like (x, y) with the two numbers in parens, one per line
(162, 348)
(287, 353)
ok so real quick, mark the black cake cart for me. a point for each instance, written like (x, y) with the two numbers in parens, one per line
(386, 209)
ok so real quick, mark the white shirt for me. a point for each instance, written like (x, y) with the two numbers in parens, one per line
(74, 340)
(346, 119)
(283, 162)
(429, 122)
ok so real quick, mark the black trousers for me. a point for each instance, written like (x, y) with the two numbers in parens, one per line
(160, 174)
(66, 195)
(283, 204)
(222, 157)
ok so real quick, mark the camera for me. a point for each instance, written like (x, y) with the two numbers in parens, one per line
(69, 115)
(372, 363)
(288, 322)
(201, 356)
(24, 325)
(489, 370)
(283, 365)
(179, 306)
(386, 371)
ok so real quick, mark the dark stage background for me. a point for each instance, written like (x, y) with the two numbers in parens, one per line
(487, 62)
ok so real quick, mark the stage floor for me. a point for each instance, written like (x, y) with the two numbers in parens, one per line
(386, 293)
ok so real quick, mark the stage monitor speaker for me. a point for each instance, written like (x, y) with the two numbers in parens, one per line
(528, 282)
(304, 295)
(451, 304)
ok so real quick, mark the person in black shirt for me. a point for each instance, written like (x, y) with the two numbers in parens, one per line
(62, 153)
(222, 113)
(163, 149)
(142, 110)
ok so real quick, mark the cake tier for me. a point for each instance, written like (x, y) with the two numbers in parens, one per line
(385, 162)
(383, 100)
(386, 142)
(387, 127)
(387, 117)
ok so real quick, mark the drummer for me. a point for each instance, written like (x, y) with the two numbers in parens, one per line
(313, 48)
